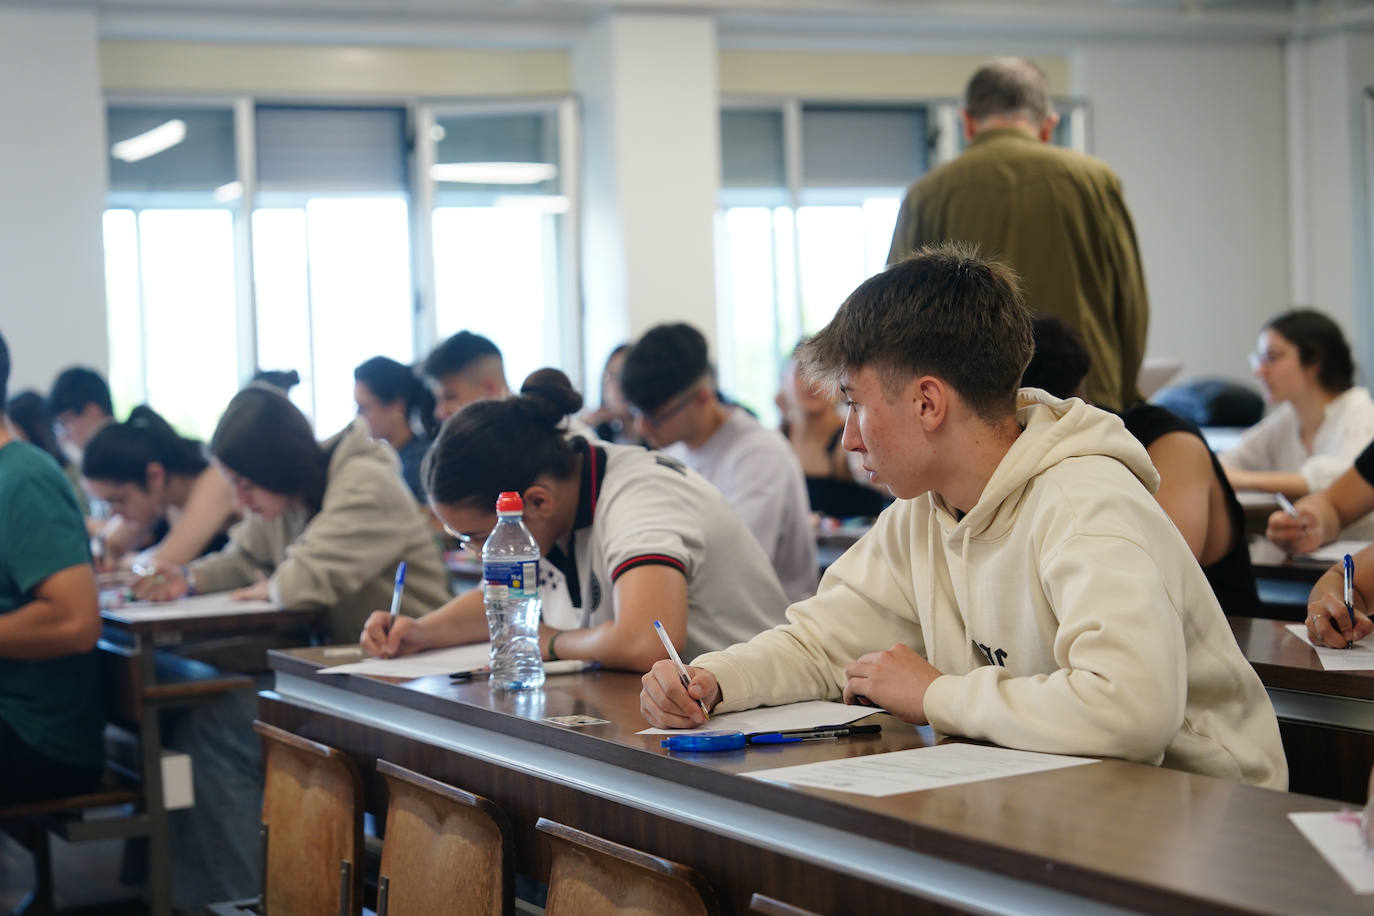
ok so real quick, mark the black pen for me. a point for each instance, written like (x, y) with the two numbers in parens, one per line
(792, 736)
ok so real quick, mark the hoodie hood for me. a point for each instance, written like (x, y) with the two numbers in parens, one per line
(355, 441)
(1052, 430)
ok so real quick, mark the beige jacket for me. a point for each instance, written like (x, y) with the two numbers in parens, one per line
(344, 557)
(1065, 611)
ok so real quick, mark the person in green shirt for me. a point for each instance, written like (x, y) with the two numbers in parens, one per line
(51, 713)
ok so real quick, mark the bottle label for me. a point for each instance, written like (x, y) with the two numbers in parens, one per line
(511, 580)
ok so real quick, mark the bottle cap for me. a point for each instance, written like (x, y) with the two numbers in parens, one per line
(510, 502)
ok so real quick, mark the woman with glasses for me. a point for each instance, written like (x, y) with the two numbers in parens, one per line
(1320, 421)
(637, 535)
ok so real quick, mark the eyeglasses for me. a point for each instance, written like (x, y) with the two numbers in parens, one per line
(467, 541)
(1266, 358)
(664, 414)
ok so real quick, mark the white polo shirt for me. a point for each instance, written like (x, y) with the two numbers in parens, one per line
(638, 508)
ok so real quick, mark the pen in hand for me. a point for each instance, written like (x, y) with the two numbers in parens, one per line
(1287, 506)
(1350, 595)
(677, 663)
(396, 594)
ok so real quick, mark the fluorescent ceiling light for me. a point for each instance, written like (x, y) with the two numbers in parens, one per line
(493, 172)
(544, 203)
(150, 143)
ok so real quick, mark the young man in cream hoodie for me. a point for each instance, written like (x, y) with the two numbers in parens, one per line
(1025, 588)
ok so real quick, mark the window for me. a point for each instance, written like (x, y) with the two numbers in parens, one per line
(500, 229)
(802, 223)
(169, 254)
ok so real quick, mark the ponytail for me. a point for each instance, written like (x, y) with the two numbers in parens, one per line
(492, 446)
(121, 452)
(390, 381)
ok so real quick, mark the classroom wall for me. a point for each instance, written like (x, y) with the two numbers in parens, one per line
(52, 280)
(1197, 132)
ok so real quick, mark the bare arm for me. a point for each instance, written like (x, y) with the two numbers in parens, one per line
(1185, 483)
(209, 509)
(1289, 483)
(642, 595)
(62, 619)
(1323, 515)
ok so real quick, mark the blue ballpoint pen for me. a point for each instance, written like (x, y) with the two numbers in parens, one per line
(1350, 595)
(396, 594)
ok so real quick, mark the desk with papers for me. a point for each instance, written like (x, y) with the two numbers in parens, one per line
(1099, 837)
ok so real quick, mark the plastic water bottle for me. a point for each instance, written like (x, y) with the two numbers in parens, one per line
(510, 591)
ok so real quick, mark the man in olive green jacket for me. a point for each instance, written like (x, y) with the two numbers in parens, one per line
(1054, 215)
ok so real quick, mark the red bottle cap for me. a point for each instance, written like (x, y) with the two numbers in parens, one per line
(510, 502)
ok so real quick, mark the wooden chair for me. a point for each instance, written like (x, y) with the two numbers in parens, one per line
(312, 831)
(592, 876)
(761, 903)
(445, 851)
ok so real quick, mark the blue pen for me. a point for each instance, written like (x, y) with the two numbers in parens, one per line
(1350, 595)
(804, 734)
(396, 593)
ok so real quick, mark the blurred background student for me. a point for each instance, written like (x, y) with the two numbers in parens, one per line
(399, 409)
(325, 525)
(637, 535)
(80, 405)
(1320, 421)
(160, 487)
(30, 420)
(613, 421)
(814, 427)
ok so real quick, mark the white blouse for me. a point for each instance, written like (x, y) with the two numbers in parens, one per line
(1275, 443)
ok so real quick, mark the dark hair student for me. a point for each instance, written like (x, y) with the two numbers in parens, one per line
(122, 452)
(28, 412)
(1320, 343)
(265, 439)
(391, 382)
(492, 446)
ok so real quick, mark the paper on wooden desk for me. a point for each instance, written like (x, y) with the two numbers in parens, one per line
(809, 714)
(420, 664)
(214, 604)
(1359, 657)
(1336, 835)
(916, 769)
(1335, 551)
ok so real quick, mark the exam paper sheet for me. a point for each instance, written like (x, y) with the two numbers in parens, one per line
(1336, 835)
(216, 604)
(1359, 657)
(421, 664)
(1335, 551)
(914, 770)
(809, 714)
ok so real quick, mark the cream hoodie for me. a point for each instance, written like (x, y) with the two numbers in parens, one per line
(344, 557)
(1065, 611)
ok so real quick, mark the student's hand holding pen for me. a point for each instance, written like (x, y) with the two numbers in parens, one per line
(665, 703)
(1328, 623)
(386, 636)
(1303, 526)
(164, 582)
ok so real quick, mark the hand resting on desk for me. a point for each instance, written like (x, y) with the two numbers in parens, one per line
(665, 703)
(165, 582)
(895, 679)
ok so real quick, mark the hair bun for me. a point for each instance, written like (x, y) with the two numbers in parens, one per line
(549, 395)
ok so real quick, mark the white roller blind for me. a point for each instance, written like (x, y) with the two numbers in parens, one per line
(331, 149)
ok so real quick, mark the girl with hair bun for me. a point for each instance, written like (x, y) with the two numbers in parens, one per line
(1321, 419)
(399, 409)
(636, 535)
(160, 488)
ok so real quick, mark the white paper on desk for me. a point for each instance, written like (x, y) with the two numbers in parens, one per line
(215, 604)
(809, 714)
(1336, 835)
(914, 770)
(1255, 499)
(1335, 551)
(1359, 657)
(421, 664)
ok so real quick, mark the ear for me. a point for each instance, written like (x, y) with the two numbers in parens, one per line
(1047, 127)
(539, 500)
(969, 127)
(930, 400)
(154, 476)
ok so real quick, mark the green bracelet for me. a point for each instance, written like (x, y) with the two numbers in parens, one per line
(553, 656)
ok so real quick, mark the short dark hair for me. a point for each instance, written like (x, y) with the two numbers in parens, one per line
(121, 452)
(390, 381)
(75, 388)
(457, 353)
(1008, 86)
(1060, 362)
(266, 439)
(489, 447)
(944, 311)
(1320, 343)
(662, 364)
(28, 412)
(4, 372)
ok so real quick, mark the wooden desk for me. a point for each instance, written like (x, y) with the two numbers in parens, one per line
(1258, 506)
(832, 541)
(1101, 838)
(1326, 717)
(154, 682)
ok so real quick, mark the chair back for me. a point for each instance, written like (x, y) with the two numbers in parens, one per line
(446, 852)
(591, 876)
(312, 817)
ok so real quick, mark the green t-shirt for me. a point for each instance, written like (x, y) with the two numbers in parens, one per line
(54, 705)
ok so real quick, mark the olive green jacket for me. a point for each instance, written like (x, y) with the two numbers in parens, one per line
(1059, 219)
